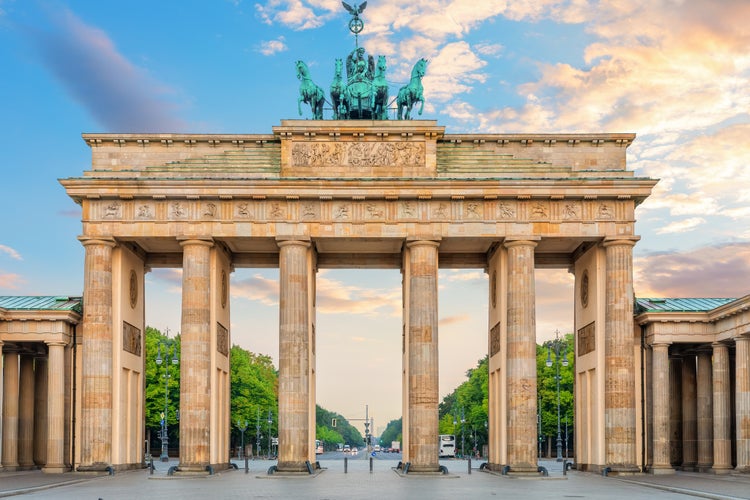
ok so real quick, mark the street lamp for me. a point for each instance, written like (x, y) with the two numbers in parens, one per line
(164, 457)
(557, 344)
(242, 427)
(257, 432)
(463, 421)
(270, 421)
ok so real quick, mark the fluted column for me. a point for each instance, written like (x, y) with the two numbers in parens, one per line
(521, 360)
(689, 415)
(26, 413)
(56, 409)
(660, 388)
(10, 411)
(41, 374)
(96, 347)
(195, 356)
(294, 359)
(619, 394)
(705, 412)
(742, 402)
(423, 356)
(675, 411)
(722, 409)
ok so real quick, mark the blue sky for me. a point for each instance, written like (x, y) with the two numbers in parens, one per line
(674, 72)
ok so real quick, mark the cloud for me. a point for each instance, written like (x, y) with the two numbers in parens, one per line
(710, 271)
(681, 226)
(296, 14)
(13, 254)
(453, 320)
(271, 47)
(119, 95)
(10, 281)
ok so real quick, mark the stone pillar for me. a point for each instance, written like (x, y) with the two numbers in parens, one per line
(56, 409)
(689, 415)
(195, 356)
(521, 360)
(423, 356)
(722, 410)
(705, 413)
(619, 393)
(96, 347)
(742, 402)
(660, 388)
(294, 361)
(26, 413)
(41, 374)
(675, 411)
(10, 411)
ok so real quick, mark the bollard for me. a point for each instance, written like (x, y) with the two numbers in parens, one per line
(151, 466)
(469, 466)
(370, 465)
(246, 466)
(346, 464)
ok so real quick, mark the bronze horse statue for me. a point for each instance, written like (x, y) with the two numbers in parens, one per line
(338, 93)
(410, 94)
(380, 92)
(309, 92)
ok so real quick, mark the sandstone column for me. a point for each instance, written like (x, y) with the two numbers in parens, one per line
(26, 413)
(423, 356)
(56, 409)
(294, 360)
(722, 410)
(675, 411)
(705, 412)
(41, 374)
(661, 388)
(10, 411)
(619, 394)
(195, 356)
(521, 360)
(742, 402)
(96, 382)
(689, 415)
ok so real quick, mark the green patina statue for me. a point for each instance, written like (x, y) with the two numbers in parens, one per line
(364, 95)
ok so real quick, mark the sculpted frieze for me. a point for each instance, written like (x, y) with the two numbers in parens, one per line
(361, 210)
(358, 154)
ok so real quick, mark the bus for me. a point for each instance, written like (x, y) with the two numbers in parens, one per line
(447, 446)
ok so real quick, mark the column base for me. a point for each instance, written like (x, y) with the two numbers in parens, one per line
(622, 469)
(659, 470)
(296, 468)
(55, 469)
(721, 470)
(744, 469)
(97, 467)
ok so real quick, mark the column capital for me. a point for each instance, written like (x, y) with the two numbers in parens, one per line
(660, 343)
(521, 242)
(285, 241)
(195, 240)
(91, 240)
(742, 337)
(719, 344)
(611, 241)
(420, 242)
(51, 343)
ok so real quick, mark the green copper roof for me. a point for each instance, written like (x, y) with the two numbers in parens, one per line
(41, 303)
(678, 305)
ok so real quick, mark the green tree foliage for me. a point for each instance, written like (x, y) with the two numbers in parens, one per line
(468, 402)
(157, 385)
(254, 396)
(331, 436)
(547, 385)
(393, 432)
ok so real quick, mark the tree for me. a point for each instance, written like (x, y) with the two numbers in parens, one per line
(547, 387)
(392, 433)
(156, 386)
(468, 402)
(344, 431)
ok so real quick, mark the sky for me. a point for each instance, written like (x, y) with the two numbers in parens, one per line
(675, 72)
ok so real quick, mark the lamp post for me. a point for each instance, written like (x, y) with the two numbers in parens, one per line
(164, 457)
(557, 344)
(242, 427)
(257, 432)
(463, 421)
(270, 421)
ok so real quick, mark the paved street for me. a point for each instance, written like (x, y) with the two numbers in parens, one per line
(358, 482)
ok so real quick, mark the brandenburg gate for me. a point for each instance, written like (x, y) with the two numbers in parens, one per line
(398, 194)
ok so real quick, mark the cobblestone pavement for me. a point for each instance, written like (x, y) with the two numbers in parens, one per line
(358, 482)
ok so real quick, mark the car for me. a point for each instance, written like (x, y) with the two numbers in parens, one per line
(347, 448)
(355, 450)
(376, 448)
